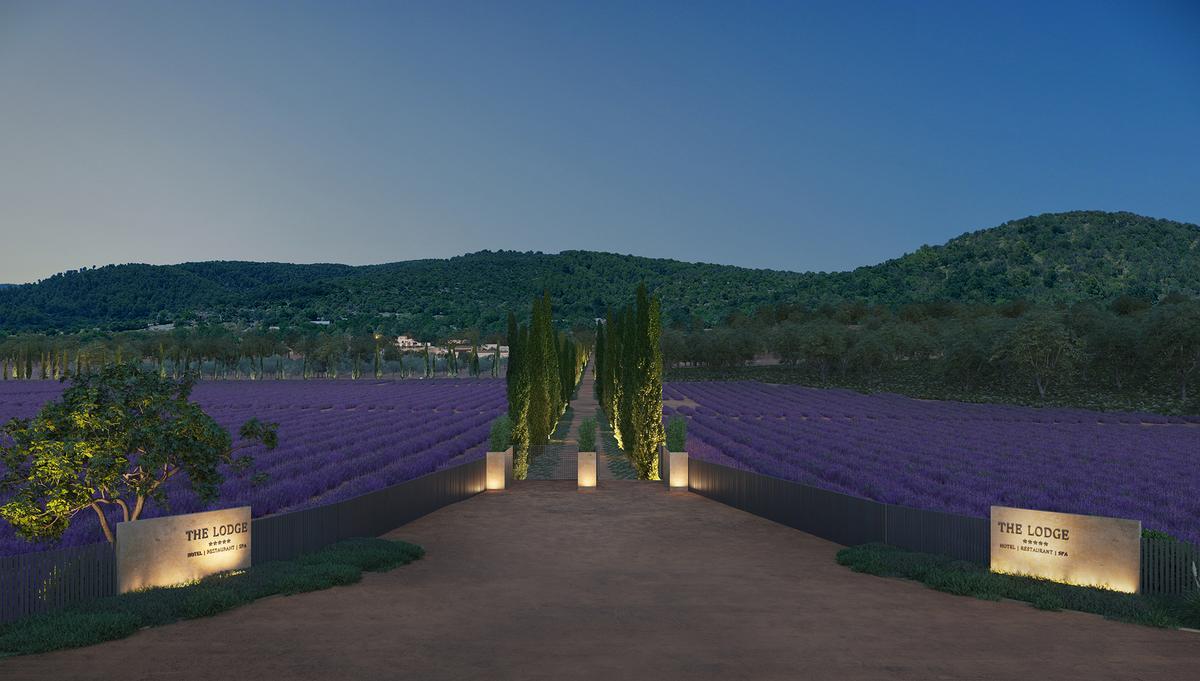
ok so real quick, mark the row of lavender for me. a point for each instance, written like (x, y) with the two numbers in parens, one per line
(949, 456)
(337, 439)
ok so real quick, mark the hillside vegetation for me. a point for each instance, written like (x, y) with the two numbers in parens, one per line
(1052, 258)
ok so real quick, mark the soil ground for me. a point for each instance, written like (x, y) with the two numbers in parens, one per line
(628, 581)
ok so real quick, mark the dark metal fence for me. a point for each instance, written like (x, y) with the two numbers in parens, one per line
(50, 580)
(287, 535)
(1168, 565)
(849, 520)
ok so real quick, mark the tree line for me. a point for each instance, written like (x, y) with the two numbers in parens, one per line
(1049, 259)
(544, 366)
(1124, 346)
(629, 373)
(220, 352)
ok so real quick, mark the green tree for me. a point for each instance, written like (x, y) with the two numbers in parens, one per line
(1041, 347)
(1175, 333)
(823, 343)
(646, 403)
(520, 391)
(114, 439)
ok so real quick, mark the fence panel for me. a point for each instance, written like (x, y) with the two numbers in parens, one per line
(963, 537)
(34, 583)
(50, 580)
(1167, 564)
(837, 517)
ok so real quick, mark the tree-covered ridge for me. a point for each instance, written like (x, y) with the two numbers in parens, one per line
(1051, 258)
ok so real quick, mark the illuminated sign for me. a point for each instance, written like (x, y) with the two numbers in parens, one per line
(1086, 550)
(181, 548)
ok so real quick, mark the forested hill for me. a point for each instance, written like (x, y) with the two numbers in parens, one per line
(1061, 257)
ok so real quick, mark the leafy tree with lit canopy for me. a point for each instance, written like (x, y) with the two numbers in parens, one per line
(113, 440)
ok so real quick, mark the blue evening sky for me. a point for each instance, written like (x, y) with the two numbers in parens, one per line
(792, 135)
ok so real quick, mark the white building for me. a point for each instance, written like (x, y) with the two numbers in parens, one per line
(407, 343)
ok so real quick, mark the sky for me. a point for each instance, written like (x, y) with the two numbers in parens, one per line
(794, 135)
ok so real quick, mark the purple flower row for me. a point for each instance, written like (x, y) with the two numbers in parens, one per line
(949, 456)
(337, 439)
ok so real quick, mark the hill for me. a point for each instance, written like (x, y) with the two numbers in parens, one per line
(1063, 257)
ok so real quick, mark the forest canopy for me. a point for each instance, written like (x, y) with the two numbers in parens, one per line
(1057, 259)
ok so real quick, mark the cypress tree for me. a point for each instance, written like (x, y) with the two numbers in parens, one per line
(566, 368)
(519, 401)
(510, 378)
(552, 376)
(646, 402)
(598, 371)
(540, 401)
(612, 373)
(627, 380)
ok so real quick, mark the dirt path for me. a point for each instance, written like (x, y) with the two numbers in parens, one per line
(629, 581)
(561, 460)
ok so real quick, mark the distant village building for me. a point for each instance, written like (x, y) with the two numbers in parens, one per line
(320, 322)
(490, 348)
(409, 343)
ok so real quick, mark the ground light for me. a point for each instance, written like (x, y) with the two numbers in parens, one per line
(496, 477)
(586, 473)
(678, 471)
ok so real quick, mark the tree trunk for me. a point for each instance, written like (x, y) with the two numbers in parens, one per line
(104, 523)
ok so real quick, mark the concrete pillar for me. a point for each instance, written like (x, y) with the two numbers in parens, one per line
(586, 473)
(678, 470)
(496, 479)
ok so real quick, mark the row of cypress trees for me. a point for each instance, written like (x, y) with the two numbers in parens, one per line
(629, 380)
(544, 367)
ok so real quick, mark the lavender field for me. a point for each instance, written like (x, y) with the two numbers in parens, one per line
(952, 456)
(337, 439)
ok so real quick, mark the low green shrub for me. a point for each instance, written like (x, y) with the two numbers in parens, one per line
(677, 434)
(372, 555)
(65, 630)
(968, 579)
(500, 436)
(119, 616)
(587, 435)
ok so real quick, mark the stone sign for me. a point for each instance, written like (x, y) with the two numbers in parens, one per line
(1085, 550)
(180, 548)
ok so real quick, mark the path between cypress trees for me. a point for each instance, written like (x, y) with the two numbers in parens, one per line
(559, 460)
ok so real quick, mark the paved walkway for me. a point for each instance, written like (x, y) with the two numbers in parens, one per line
(560, 460)
(628, 581)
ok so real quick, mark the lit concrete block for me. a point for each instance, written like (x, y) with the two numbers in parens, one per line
(586, 474)
(496, 479)
(678, 470)
(175, 549)
(1085, 550)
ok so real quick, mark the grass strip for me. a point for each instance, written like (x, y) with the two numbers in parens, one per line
(968, 579)
(119, 616)
(618, 462)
